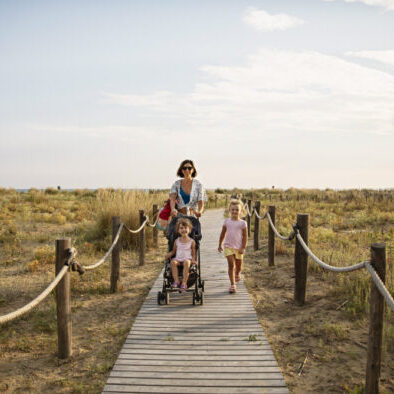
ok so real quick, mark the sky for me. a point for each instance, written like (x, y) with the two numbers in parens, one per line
(258, 93)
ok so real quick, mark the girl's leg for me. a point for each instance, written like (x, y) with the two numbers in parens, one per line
(238, 269)
(231, 266)
(174, 271)
(186, 267)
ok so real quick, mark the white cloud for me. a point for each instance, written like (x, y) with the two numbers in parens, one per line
(279, 92)
(262, 20)
(386, 57)
(386, 4)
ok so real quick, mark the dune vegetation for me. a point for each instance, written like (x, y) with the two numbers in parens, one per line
(343, 224)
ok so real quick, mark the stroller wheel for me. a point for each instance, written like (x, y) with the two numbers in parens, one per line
(194, 298)
(202, 285)
(160, 298)
(167, 297)
(202, 298)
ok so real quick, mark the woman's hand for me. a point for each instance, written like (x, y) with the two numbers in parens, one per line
(220, 249)
(241, 251)
(198, 214)
(174, 212)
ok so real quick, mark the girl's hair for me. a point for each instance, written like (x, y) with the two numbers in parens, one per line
(235, 201)
(187, 161)
(183, 222)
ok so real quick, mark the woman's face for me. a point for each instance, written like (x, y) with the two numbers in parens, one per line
(187, 170)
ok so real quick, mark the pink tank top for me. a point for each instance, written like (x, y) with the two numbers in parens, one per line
(183, 250)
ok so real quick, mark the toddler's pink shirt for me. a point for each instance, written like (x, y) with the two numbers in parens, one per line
(234, 229)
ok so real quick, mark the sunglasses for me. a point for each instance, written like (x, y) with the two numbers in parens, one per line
(187, 168)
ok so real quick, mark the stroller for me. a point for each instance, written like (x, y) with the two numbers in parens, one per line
(194, 282)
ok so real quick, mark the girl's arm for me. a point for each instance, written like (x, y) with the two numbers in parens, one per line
(194, 254)
(221, 238)
(172, 253)
(244, 240)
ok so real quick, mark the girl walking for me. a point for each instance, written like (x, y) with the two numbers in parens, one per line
(235, 236)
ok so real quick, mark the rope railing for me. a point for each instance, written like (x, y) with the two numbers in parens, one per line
(375, 267)
(325, 265)
(70, 260)
(156, 220)
(380, 285)
(288, 238)
(28, 307)
(248, 210)
(140, 228)
(364, 264)
(257, 214)
(93, 266)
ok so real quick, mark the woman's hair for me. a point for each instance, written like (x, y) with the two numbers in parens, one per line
(187, 161)
(183, 222)
(235, 201)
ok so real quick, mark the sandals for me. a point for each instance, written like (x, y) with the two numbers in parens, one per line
(237, 277)
(232, 289)
(174, 285)
(182, 288)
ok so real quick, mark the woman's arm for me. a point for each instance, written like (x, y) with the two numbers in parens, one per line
(244, 241)
(200, 208)
(221, 238)
(173, 197)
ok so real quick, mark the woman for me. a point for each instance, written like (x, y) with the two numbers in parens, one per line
(188, 192)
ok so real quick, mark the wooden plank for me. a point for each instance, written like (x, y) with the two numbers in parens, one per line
(188, 357)
(175, 346)
(194, 344)
(181, 375)
(175, 352)
(197, 382)
(188, 368)
(196, 363)
(193, 390)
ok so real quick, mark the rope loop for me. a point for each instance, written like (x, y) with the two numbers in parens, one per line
(146, 217)
(291, 236)
(157, 219)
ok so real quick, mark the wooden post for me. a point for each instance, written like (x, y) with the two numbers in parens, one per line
(271, 237)
(256, 226)
(63, 304)
(301, 260)
(249, 218)
(374, 355)
(216, 200)
(115, 266)
(226, 203)
(142, 238)
(155, 231)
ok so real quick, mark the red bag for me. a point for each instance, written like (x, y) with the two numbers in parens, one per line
(165, 212)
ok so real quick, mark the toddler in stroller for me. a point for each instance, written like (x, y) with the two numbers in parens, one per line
(183, 272)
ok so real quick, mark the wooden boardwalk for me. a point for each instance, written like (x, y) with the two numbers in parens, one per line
(219, 347)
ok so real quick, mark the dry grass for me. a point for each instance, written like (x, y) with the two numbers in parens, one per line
(342, 226)
(334, 341)
(28, 346)
(125, 204)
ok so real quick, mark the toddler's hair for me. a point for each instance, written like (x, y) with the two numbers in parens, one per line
(183, 222)
(235, 201)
